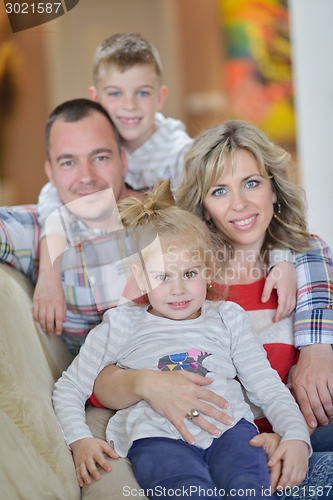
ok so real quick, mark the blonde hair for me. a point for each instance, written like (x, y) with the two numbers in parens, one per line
(204, 165)
(159, 215)
(125, 51)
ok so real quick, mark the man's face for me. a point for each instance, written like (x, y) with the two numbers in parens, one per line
(85, 160)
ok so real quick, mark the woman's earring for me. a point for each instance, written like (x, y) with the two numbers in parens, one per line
(142, 292)
(278, 210)
(209, 285)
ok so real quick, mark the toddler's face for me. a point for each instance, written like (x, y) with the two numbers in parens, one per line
(131, 98)
(178, 284)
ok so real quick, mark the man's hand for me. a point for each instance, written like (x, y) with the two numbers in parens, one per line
(283, 278)
(312, 382)
(49, 302)
(86, 453)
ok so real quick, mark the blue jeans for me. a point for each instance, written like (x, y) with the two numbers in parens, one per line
(322, 438)
(171, 468)
(318, 484)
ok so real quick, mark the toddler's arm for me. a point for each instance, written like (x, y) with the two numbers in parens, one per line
(88, 452)
(282, 277)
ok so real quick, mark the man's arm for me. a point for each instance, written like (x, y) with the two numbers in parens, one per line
(19, 239)
(312, 378)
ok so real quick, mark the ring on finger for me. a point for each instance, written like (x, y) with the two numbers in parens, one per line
(192, 415)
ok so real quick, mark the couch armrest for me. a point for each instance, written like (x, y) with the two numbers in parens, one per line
(30, 362)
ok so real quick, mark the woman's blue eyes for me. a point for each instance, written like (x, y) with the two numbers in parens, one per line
(221, 191)
(252, 183)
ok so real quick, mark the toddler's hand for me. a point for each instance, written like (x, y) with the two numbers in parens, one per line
(86, 453)
(283, 278)
(294, 455)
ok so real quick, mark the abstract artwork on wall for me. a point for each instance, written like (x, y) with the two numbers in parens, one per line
(257, 72)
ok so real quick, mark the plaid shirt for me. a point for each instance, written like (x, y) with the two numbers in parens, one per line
(87, 278)
(91, 284)
(314, 313)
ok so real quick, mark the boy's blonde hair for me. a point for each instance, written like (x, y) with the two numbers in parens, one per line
(159, 215)
(125, 51)
(204, 165)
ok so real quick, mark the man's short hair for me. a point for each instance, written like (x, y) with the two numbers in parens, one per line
(75, 111)
(125, 51)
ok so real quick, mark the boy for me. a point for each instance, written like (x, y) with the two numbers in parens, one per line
(127, 75)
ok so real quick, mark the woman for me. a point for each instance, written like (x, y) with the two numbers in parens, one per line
(237, 181)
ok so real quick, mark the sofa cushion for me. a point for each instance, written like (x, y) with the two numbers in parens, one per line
(24, 474)
(27, 371)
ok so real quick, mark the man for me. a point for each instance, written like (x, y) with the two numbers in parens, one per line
(84, 157)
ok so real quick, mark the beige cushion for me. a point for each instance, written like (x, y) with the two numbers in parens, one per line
(24, 475)
(28, 369)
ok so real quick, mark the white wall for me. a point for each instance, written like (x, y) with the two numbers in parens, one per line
(312, 35)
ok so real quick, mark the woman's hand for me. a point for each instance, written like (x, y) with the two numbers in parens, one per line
(172, 394)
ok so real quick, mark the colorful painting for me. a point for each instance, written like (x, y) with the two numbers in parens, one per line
(257, 73)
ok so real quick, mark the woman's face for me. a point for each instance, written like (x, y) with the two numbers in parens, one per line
(240, 203)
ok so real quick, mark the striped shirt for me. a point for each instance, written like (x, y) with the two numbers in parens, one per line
(219, 344)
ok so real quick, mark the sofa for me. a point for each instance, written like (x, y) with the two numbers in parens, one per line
(35, 463)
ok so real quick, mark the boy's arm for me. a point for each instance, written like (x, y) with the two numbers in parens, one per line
(282, 277)
(49, 301)
(48, 202)
(86, 453)
(312, 378)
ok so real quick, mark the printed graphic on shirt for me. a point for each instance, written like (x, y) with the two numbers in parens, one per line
(190, 361)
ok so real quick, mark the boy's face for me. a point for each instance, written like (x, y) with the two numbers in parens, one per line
(131, 98)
